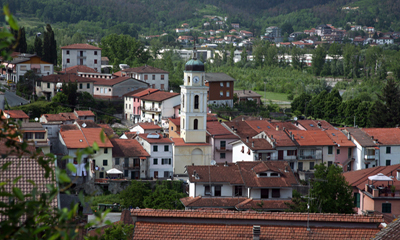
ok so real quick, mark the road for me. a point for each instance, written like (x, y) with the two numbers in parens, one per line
(14, 100)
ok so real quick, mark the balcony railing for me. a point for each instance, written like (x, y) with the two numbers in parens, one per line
(151, 109)
(223, 149)
(310, 156)
(381, 191)
(369, 157)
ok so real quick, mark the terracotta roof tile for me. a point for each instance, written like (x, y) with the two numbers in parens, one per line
(149, 126)
(54, 117)
(88, 123)
(128, 148)
(93, 135)
(84, 113)
(145, 92)
(78, 68)
(81, 46)
(130, 135)
(74, 139)
(16, 114)
(131, 93)
(251, 204)
(159, 96)
(69, 116)
(384, 136)
(61, 78)
(176, 121)
(339, 138)
(312, 138)
(314, 124)
(214, 202)
(215, 129)
(107, 130)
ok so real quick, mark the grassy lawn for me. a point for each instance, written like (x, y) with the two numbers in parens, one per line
(273, 96)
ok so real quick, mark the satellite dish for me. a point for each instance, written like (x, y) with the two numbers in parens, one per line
(213, 162)
(36, 119)
(83, 125)
(295, 118)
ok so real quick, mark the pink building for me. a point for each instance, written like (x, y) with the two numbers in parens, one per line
(132, 108)
(220, 137)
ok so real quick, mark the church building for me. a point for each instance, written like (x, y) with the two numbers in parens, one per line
(192, 147)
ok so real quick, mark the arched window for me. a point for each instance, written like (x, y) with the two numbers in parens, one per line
(196, 124)
(196, 102)
(183, 101)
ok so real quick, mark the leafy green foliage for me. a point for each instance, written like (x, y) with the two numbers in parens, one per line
(134, 194)
(330, 193)
(118, 231)
(166, 196)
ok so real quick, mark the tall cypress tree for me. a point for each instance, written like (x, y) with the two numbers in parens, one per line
(49, 46)
(38, 46)
(22, 46)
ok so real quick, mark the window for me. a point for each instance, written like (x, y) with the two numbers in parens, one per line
(155, 174)
(276, 193)
(116, 161)
(166, 161)
(105, 162)
(95, 61)
(386, 208)
(349, 153)
(129, 106)
(67, 60)
(166, 148)
(87, 85)
(126, 162)
(95, 52)
(221, 93)
(162, 87)
(311, 165)
(145, 77)
(330, 149)
(172, 128)
(101, 175)
(166, 174)
(188, 79)
(67, 51)
(97, 89)
(162, 77)
(330, 163)
(126, 173)
(357, 200)
(155, 148)
(388, 150)
(300, 166)
(227, 84)
(264, 193)
(196, 102)
(48, 85)
(39, 135)
(222, 144)
(22, 68)
(47, 68)
(153, 77)
(153, 86)
(155, 161)
(387, 162)
(38, 84)
(222, 155)
(183, 101)
(291, 152)
(105, 150)
(337, 151)
(227, 93)
(238, 191)
(195, 124)
(207, 191)
(221, 84)
(80, 85)
(217, 191)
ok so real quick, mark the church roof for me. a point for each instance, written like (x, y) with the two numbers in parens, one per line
(194, 65)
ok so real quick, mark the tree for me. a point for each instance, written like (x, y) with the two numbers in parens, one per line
(134, 194)
(300, 102)
(60, 98)
(70, 90)
(329, 193)
(118, 231)
(287, 28)
(335, 51)
(38, 46)
(318, 60)
(243, 55)
(165, 197)
(49, 46)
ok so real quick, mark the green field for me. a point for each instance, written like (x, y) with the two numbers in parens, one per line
(273, 96)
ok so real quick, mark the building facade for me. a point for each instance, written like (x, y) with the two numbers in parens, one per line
(81, 54)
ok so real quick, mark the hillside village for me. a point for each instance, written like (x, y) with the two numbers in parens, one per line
(247, 163)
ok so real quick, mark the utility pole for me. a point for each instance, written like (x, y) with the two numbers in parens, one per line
(265, 93)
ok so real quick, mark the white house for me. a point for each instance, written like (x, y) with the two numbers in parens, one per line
(81, 54)
(264, 185)
(160, 149)
(155, 77)
(159, 105)
(384, 40)
(145, 127)
(26, 62)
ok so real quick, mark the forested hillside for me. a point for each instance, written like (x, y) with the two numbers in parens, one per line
(134, 17)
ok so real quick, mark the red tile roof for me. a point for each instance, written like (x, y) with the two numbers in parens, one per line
(313, 124)
(282, 139)
(360, 177)
(84, 113)
(131, 93)
(107, 130)
(69, 116)
(128, 148)
(111, 82)
(150, 126)
(216, 130)
(255, 143)
(145, 69)
(81, 46)
(176, 121)
(78, 68)
(74, 139)
(54, 117)
(392, 231)
(130, 135)
(151, 138)
(69, 77)
(217, 224)
(16, 114)
(312, 138)
(384, 136)
(93, 135)
(360, 137)
(270, 205)
(339, 138)
(159, 96)
(145, 92)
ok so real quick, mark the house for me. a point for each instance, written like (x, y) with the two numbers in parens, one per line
(159, 105)
(130, 157)
(141, 128)
(104, 61)
(220, 137)
(240, 186)
(179, 30)
(220, 89)
(27, 62)
(115, 88)
(219, 22)
(322, 30)
(206, 24)
(85, 115)
(384, 40)
(36, 135)
(185, 25)
(273, 32)
(366, 153)
(186, 39)
(49, 86)
(155, 77)
(160, 149)
(247, 95)
(310, 32)
(81, 54)
(233, 31)
(373, 192)
(223, 224)
(235, 25)
(17, 115)
(245, 33)
(132, 103)
(219, 31)
(74, 137)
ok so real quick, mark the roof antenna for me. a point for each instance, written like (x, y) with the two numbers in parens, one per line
(194, 50)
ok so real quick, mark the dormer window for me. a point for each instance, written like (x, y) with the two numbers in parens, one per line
(268, 174)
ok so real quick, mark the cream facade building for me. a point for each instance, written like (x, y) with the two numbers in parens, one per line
(192, 146)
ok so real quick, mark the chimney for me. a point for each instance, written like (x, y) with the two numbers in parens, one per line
(252, 144)
(277, 127)
(242, 118)
(194, 173)
(398, 174)
(283, 128)
(319, 125)
(148, 92)
(372, 137)
(256, 232)
(247, 139)
(272, 136)
(226, 164)
(233, 128)
(348, 136)
(192, 164)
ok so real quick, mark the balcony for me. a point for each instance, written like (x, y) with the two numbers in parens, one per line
(151, 109)
(223, 149)
(310, 156)
(369, 157)
(381, 191)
